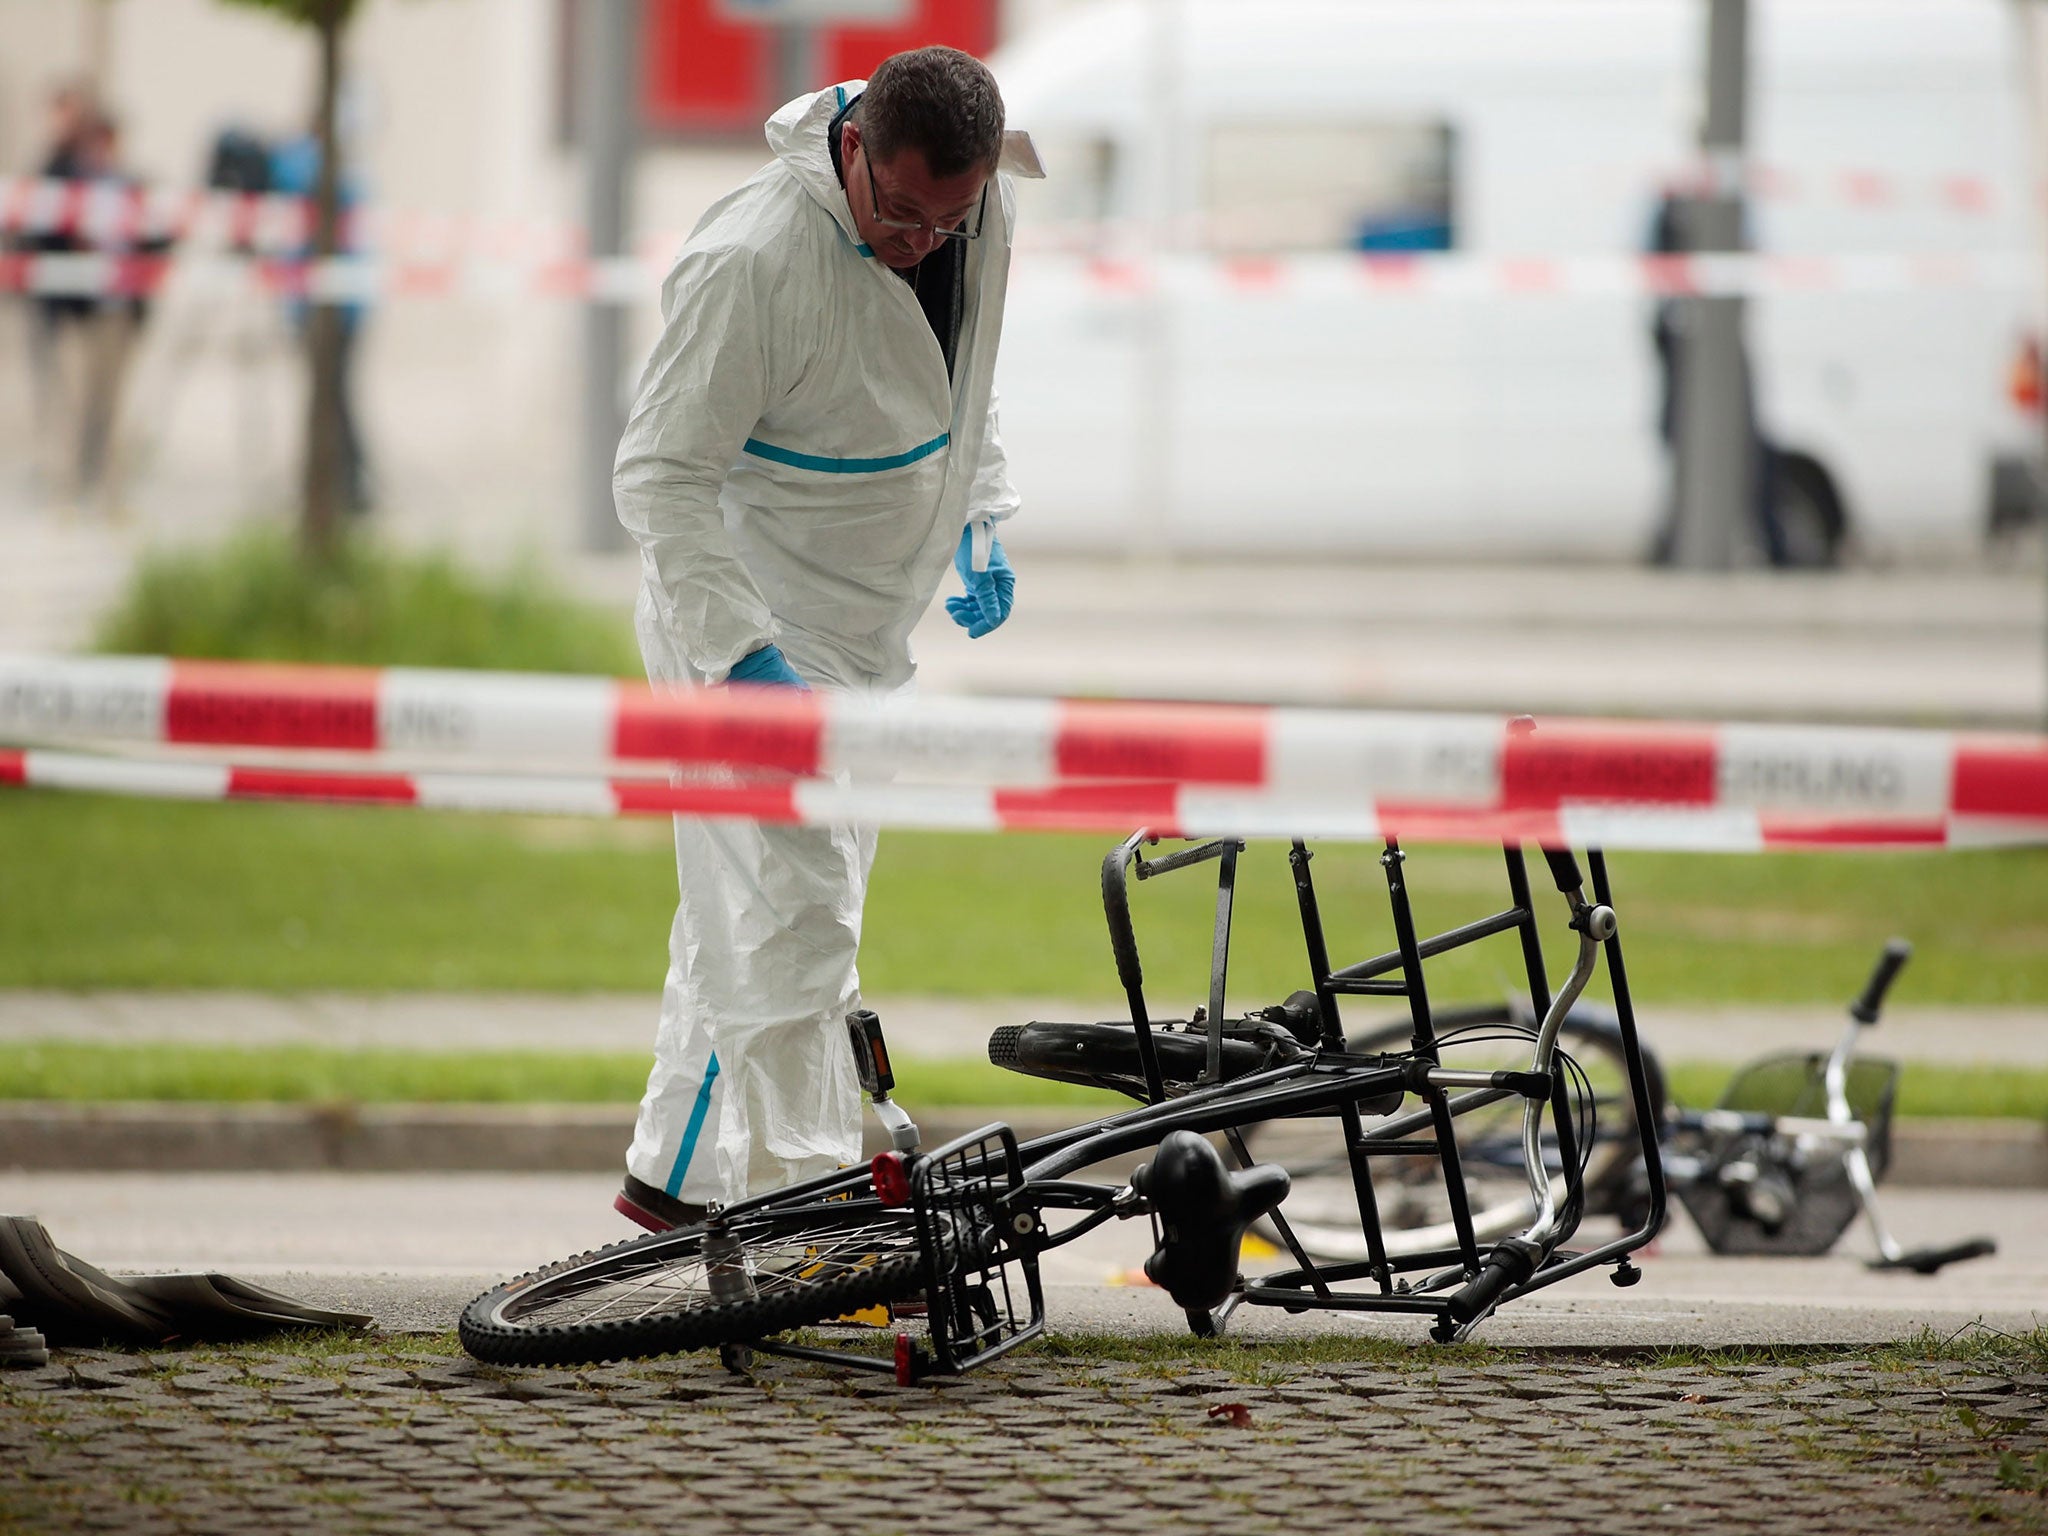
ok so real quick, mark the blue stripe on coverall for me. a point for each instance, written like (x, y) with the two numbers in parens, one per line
(693, 1129)
(795, 460)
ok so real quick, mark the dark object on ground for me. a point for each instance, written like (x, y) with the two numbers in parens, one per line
(69, 1299)
(72, 1302)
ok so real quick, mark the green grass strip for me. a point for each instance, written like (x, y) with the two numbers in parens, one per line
(298, 1074)
(1932, 1090)
(318, 1354)
(97, 892)
(1274, 1361)
(303, 1074)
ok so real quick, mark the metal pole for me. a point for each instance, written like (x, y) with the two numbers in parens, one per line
(1716, 458)
(799, 60)
(606, 117)
(1150, 541)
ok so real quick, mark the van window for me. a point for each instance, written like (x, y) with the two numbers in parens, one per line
(1082, 196)
(1375, 186)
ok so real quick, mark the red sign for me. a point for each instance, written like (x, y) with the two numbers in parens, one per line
(706, 74)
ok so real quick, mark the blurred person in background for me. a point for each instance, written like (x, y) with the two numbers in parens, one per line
(812, 442)
(53, 379)
(80, 344)
(112, 327)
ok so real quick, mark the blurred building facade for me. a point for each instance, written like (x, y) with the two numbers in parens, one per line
(455, 121)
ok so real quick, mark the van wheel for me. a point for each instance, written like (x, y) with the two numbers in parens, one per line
(1811, 525)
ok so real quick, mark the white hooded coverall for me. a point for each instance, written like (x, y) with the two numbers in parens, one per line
(797, 469)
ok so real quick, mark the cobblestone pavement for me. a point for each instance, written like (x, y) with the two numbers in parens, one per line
(340, 1434)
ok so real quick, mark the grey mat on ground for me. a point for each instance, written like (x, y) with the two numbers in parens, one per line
(219, 1306)
(72, 1302)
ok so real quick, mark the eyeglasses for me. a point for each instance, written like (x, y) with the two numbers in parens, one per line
(914, 227)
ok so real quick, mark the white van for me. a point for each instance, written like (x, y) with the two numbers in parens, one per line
(1198, 353)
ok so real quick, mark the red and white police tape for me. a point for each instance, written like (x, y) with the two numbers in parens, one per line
(930, 762)
(1318, 276)
(113, 210)
(1167, 810)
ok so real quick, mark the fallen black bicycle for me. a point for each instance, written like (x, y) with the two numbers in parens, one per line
(963, 1226)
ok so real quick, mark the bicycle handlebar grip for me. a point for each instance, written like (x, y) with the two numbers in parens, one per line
(1865, 1009)
(1513, 1262)
(1479, 1296)
(1564, 869)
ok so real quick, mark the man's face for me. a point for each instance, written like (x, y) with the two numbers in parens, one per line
(903, 189)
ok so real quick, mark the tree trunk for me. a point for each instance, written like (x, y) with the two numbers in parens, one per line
(320, 524)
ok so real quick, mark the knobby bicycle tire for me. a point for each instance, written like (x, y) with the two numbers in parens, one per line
(651, 1295)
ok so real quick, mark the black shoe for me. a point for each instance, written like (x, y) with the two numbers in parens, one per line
(656, 1210)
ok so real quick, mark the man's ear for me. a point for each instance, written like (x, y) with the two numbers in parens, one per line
(849, 139)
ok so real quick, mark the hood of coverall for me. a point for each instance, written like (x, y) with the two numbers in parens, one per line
(796, 134)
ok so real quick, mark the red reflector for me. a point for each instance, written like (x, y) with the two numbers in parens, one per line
(906, 1358)
(892, 1178)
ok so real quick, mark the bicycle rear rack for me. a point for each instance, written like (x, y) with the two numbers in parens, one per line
(979, 1236)
(968, 1193)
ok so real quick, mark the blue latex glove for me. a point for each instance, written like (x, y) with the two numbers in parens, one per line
(767, 665)
(989, 592)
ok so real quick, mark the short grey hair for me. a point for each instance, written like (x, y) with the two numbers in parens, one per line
(937, 100)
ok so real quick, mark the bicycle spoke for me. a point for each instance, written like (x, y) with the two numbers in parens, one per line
(776, 1263)
(614, 1295)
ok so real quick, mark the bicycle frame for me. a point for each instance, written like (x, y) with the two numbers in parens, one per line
(1022, 1183)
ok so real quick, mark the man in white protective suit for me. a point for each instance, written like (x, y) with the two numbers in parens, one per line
(812, 443)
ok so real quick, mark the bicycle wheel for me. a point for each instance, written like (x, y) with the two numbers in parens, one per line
(652, 1295)
(1322, 1209)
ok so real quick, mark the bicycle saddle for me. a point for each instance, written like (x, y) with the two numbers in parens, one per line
(1203, 1207)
